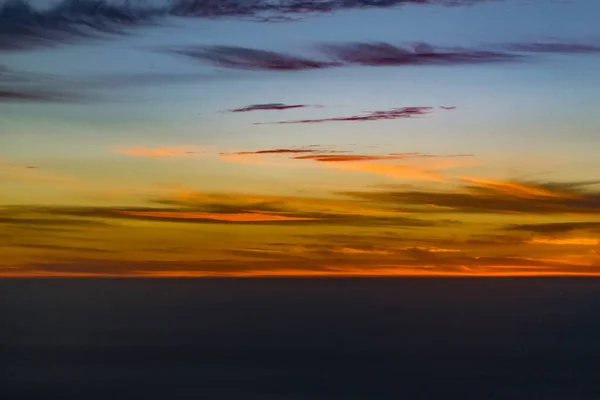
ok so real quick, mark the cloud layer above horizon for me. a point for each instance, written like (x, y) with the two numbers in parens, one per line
(350, 138)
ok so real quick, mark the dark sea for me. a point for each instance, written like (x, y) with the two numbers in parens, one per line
(300, 339)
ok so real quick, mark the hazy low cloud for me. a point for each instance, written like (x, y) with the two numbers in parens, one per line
(198, 207)
(491, 197)
(17, 86)
(556, 227)
(23, 86)
(32, 95)
(340, 263)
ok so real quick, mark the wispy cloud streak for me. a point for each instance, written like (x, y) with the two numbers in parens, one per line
(396, 113)
(269, 107)
(23, 26)
(376, 54)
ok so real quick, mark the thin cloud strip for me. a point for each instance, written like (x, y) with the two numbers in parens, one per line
(269, 107)
(395, 113)
(428, 166)
(376, 54)
(325, 155)
(364, 54)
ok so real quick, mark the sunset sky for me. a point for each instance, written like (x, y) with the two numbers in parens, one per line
(245, 138)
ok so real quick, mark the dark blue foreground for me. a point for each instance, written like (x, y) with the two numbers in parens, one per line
(297, 339)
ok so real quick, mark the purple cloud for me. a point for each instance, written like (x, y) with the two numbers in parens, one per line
(376, 54)
(365, 54)
(269, 106)
(363, 157)
(395, 113)
(23, 26)
(245, 58)
(381, 54)
(276, 151)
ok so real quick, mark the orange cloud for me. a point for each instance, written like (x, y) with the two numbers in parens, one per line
(363, 157)
(568, 241)
(394, 171)
(518, 189)
(416, 166)
(169, 151)
(182, 196)
(238, 217)
(350, 250)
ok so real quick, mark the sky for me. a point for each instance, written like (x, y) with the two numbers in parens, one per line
(288, 138)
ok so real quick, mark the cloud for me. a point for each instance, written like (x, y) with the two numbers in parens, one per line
(386, 54)
(22, 26)
(376, 54)
(327, 155)
(269, 106)
(577, 241)
(17, 86)
(363, 157)
(331, 262)
(337, 55)
(556, 227)
(484, 196)
(60, 248)
(190, 215)
(275, 151)
(553, 47)
(427, 165)
(245, 58)
(395, 113)
(283, 8)
(394, 171)
(198, 207)
(39, 95)
(7, 219)
(226, 217)
(21, 86)
(346, 158)
(517, 189)
(158, 152)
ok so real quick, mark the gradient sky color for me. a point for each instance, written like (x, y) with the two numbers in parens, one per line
(148, 153)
